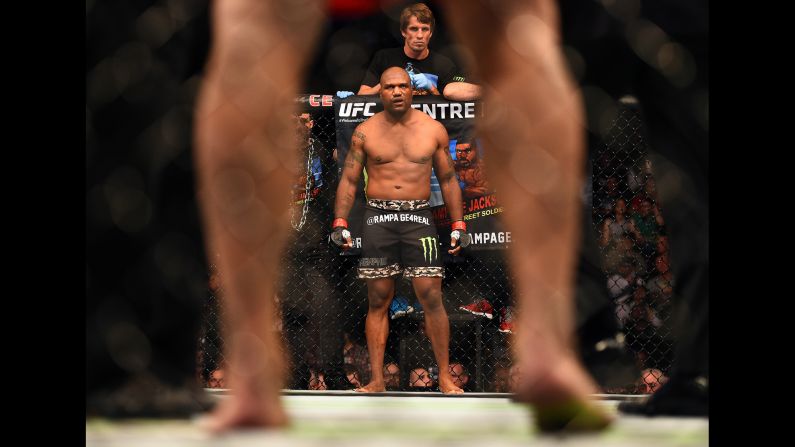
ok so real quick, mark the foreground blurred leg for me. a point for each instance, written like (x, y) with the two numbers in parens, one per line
(532, 129)
(246, 155)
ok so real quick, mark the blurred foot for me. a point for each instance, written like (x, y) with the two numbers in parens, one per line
(560, 398)
(244, 410)
(571, 416)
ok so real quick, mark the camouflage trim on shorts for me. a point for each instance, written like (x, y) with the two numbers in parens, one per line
(413, 272)
(399, 205)
(379, 272)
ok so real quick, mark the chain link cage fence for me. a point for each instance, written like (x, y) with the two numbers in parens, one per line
(323, 305)
(629, 224)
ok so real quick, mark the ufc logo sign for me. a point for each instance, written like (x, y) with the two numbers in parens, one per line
(351, 109)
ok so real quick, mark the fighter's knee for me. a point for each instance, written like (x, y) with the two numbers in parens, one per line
(378, 299)
(431, 300)
(423, 290)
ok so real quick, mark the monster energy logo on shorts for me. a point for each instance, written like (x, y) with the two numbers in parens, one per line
(428, 245)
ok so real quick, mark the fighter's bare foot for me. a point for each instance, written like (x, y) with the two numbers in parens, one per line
(448, 387)
(575, 415)
(560, 399)
(236, 412)
(372, 387)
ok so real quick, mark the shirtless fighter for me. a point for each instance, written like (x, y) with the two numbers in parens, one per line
(399, 146)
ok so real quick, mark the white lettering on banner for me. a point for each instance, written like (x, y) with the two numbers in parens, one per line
(440, 111)
(437, 111)
(345, 109)
(469, 110)
(455, 111)
(432, 109)
(491, 238)
(353, 108)
(443, 107)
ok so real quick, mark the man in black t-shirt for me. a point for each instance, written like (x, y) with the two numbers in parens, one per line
(430, 73)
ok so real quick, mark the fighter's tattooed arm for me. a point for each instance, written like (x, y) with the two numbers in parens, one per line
(356, 152)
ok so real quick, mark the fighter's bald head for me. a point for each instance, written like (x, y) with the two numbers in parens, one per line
(396, 93)
(394, 74)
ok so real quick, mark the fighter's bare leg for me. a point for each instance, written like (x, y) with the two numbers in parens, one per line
(379, 294)
(246, 161)
(535, 141)
(437, 326)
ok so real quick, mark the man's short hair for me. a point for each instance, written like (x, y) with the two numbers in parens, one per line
(464, 371)
(466, 138)
(421, 12)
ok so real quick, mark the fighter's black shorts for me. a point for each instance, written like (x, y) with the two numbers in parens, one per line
(399, 236)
